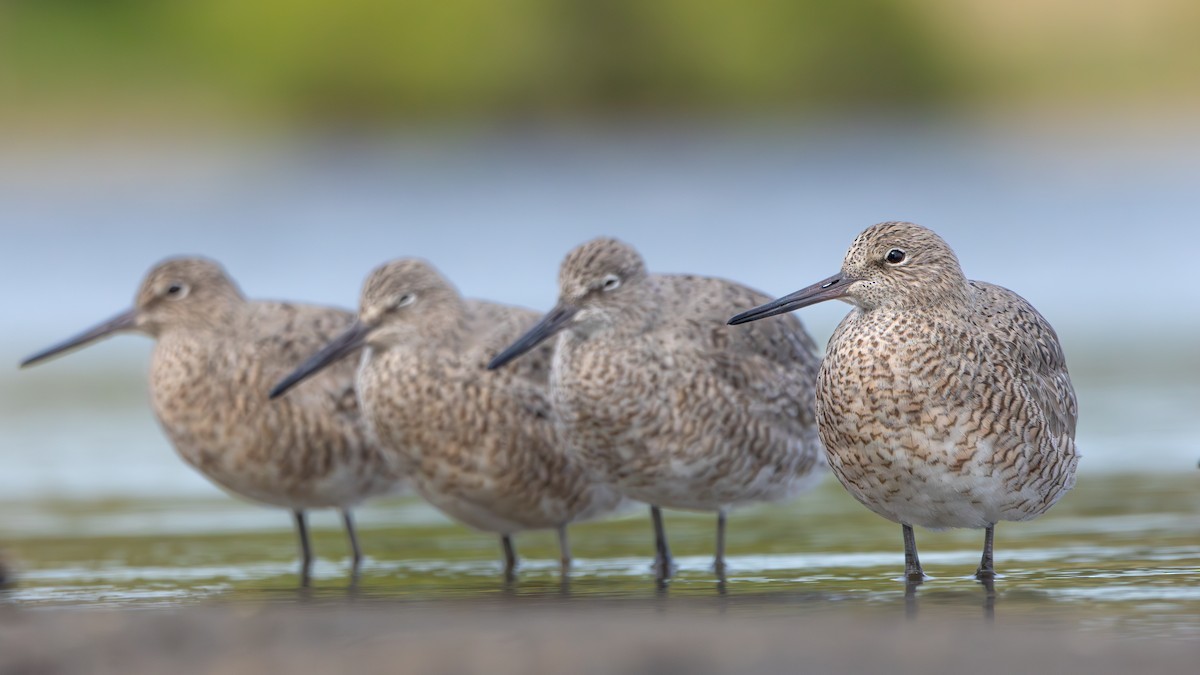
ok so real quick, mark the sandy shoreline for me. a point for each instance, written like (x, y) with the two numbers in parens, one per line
(499, 639)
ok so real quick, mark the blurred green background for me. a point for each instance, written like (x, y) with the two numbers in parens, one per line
(379, 63)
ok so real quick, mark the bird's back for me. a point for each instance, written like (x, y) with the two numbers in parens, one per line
(482, 443)
(1022, 336)
(773, 363)
(493, 326)
(693, 413)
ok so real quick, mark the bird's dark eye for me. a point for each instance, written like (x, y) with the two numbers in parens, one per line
(406, 300)
(895, 256)
(611, 282)
(176, 290)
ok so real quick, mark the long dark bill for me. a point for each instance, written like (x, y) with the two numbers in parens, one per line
(545, 329)
(341, 346)
(827, 289)
(124, 321)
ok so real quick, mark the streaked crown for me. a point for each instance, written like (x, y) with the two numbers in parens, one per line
(185, 290)
(597, 266)
(409, 284)
(902, 264)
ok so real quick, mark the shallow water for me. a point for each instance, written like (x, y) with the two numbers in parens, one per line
(1119, 552)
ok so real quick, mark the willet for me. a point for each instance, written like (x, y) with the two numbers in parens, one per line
(482, 445)
(942, 402)
(215, 355)
(668, 404)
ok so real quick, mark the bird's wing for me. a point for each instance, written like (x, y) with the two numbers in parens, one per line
(774, 359)
(287, 334)
(1024, 337)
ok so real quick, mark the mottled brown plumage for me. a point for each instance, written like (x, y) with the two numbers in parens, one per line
(481, 445)
(942, 402)
(667, 403)
(216, 354)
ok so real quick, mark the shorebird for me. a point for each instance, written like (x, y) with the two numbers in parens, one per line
(481, 445)
(666, 403)
(942, 402)
(215, 355)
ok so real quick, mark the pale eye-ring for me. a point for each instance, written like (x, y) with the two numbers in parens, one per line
(896, 256)
(406, 300)
(611, 282)
(176, 290)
